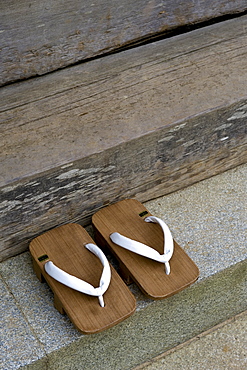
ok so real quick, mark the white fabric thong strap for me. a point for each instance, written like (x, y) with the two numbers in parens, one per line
(146, 251)
(81, 285)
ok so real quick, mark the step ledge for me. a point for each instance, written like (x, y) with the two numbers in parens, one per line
(141, 123)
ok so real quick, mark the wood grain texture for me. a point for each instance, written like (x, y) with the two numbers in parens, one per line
(124, 217)
(39, 37)
(74, 113)
(64, 246)
(142, 123)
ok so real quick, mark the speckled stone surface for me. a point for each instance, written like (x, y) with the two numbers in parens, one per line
(208, 219)
(36, 302)
(222, 347)
(18, 342)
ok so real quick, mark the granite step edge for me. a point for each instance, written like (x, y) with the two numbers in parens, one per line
(223, 344)
(204, 305)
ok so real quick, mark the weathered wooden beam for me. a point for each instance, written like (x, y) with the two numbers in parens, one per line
(142, 123)
(42, 36)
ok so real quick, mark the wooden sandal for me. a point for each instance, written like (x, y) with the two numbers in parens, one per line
(122, 228)
(66, 257)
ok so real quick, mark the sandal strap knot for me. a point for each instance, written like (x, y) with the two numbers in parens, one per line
(81, 285)
(146, 251)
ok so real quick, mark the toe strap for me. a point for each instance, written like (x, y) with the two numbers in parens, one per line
(81, 285)
(146, 251)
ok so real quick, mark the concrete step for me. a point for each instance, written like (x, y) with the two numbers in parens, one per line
(208, 219)
(142, 123)
(221, 347)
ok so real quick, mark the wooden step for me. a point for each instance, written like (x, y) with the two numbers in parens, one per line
(141, 123)
(37, 38)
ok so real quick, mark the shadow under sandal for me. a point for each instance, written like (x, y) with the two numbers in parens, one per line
(145, 249)
(85, 286)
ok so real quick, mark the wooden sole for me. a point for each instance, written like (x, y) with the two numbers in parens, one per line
(126, 217)
(64, 246)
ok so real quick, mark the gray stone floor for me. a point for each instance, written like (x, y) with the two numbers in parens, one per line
(208, 219)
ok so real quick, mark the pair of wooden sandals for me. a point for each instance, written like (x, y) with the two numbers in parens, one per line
(87, 288)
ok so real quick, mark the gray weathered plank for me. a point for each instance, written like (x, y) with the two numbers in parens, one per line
(142, 123)
(42, 36)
